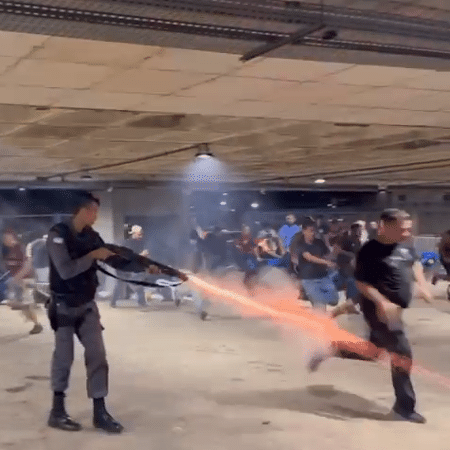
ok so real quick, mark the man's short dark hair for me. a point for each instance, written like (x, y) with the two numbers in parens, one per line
(308, 222)
(392, 215)
(84, 199)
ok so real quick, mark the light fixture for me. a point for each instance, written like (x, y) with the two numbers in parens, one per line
(319, 181)
(22, 189)
(233, 210)
(255, 205)
(225, 193)
(223, 203)
(203, 151)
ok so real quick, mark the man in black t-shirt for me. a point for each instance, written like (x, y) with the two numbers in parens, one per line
(314, 268)
(385, 271)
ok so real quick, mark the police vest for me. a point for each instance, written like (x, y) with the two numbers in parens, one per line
(81, 288)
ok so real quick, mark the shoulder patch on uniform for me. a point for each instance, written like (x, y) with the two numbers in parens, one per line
(58, 240)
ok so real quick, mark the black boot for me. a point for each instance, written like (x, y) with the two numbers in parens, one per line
(103, 420)
(59, 417)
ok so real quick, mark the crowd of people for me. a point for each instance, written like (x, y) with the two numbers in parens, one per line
(320, 255)
(376, 267)
(374, 264)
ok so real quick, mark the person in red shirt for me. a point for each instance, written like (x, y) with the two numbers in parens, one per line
(18, 267)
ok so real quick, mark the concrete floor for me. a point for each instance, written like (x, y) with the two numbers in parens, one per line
(229, 383)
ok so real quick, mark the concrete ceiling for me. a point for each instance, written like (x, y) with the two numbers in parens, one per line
(73, 105)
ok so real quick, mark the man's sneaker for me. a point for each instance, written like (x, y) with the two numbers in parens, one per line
(414, 416)
(37, 329)
(63, 422)
(317, 359)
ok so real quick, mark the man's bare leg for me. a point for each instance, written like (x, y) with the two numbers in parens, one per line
(29, 312)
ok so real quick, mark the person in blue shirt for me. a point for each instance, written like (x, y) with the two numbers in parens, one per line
(288, 230)
(286, 234)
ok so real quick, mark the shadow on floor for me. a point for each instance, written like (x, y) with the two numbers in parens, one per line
(7, 339)
(17, 389)
(324, 401)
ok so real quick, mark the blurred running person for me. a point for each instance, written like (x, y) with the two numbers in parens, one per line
(385, 271)
(314, 268)
(245, 255)
(444, 256)
(18, 267)
(347, 249)
(135, 243)
(286, 234)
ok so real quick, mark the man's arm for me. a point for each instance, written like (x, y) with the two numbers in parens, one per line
(388, 312)
(372, 293)
(324, 251)
(422, 283)
(315, 259)
(64, 264)
(25, 270)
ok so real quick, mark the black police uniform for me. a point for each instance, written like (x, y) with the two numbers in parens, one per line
(72, 311)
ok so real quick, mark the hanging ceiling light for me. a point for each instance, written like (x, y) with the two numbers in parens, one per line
(204, 151)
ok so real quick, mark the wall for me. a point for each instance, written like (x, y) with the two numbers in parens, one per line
(119, 203)
(430, 207)
(143, 202)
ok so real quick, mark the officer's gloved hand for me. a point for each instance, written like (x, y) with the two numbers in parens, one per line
(154, 270)
(102, 253)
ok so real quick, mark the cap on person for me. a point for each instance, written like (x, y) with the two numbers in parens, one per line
(136, 229)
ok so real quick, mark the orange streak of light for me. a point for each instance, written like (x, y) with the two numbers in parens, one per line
(286, 311)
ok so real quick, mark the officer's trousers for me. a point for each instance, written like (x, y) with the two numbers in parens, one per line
(84, 322)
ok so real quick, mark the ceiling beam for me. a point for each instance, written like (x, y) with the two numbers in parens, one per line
(290, 39)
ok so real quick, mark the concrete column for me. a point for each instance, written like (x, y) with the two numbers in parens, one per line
(119, 202)
(105, 221)
(105, 227)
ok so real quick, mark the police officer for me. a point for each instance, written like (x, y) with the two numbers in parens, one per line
(73, 249)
